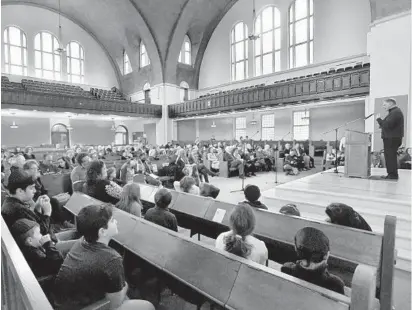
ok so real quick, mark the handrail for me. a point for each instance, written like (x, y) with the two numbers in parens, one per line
(20, 288)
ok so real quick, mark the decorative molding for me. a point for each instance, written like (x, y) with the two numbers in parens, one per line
(389, 18)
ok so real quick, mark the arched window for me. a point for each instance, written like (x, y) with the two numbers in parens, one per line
(46, 58)
(239, 52)
(146, 90)
(267, 46)
(301, 33)
(15, 51)
(144, 57)
(127, 66)
(121, 136)
(184, 91)
(185, 55)
(75, 62)
(60, 135)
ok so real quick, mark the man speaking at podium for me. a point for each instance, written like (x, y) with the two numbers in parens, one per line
(392, 134)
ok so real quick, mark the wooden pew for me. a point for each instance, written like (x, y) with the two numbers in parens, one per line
(223, 279)
(349, 247)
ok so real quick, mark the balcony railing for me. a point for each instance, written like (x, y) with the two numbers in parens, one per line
(353, 81)
(22, 99)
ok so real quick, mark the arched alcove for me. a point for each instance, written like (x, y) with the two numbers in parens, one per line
(60, 135)
(121, 136)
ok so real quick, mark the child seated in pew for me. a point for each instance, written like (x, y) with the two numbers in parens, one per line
(92, 270)
(111, 176)
(341, 214)
(208, 190)
(130, 200)
(239, 239)
(38, 250)
(312, 249)
(187, 185)
(290, 209)
(252, 195)
(160, 213)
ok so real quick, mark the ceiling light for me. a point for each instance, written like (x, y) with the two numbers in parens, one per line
(14, 125)
(213, 125)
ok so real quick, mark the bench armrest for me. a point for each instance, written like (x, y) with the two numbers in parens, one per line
(364, 288)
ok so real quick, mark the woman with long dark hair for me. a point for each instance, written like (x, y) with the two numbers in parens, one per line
(130, 199)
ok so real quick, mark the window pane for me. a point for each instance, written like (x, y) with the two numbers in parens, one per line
(268, 63)
(277, 39)
(301, 55)
(311, 52)
(15, 55)
(82, 67)
(75, 79)
(301, 9)
(180, 57)
(267, 19)
(232, 35)
(143, 48)
(291, 58)
(57, 76)
(57, 62)
(14, 36)
(37, 59)
(76, 66)
(301, 31)
(240, 71)
(68, 66)
(311, 7)
(239, 32)
(257, 47)
(25, 71)
(25, 57)
(6, 54)
(311, 28)
(47, 61)
(267, 42)
(257, 24)
(268, 120)
(246, 69)
(268, 133)
(48, 75)
(16, 70)
(239, 51)
(291, 10)
(277, 18)
(187, 58)
(38, 73)
(37, 42)
(47, 42)
(55, 43)
(24, 40)
(277, 61)
(75, 50)
(258, 68)
(187, 46)
(233, 72)
(240, 122)
(291, 42)
(5, 35)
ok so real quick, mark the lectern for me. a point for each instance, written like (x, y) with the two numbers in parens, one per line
(357, 154)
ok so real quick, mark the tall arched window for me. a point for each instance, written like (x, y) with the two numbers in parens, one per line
(60, 135)
(185, 55)
(15, 51)
(144, 57)
(46, 58)
(146, 90)
(267, 46)
(239, 52)
(75, 62)
(184, 91)
(121, 135)
(127, 66)
(301, 33)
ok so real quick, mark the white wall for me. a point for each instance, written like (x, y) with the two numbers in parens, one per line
(340, 29)
(98, 68)
(389, 47)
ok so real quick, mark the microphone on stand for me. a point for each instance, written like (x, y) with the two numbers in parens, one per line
(285, 135)
(369, 116)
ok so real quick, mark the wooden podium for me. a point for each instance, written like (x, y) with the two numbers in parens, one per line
(357, 154)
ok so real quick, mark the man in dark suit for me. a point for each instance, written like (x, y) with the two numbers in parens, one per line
(392, 134)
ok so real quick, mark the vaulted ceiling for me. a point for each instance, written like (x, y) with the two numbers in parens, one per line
(162, 25)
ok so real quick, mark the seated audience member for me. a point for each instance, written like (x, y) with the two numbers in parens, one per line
(344, 215)
(127, 171)
(307, 160)
(181, 162)
(130, 199)
(208, 190)
(17, 162)
(71, 156)
(160, 213)
(47, 166)
(79, 172)
(290, 209)
(97, 185)
(312, 249)
(63, 165)
(405, 160)
(290, 165)
(239, 239)
(188, 185)
(234, 162)
(38, 250)
(285, 151)
(111, 176)
(92, 270)
(252, 195)
(212, 157)
(28, 154)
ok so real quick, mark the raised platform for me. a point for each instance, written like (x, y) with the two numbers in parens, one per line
(373, 199)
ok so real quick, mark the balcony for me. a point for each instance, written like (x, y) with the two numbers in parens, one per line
(27, 100)
(345, 82)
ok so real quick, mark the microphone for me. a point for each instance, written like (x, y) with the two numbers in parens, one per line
(369, 116)
(285, 135)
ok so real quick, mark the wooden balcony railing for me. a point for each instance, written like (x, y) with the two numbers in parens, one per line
(326, 85)
(22, 99)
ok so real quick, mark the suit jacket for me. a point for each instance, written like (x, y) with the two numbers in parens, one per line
(392, 125)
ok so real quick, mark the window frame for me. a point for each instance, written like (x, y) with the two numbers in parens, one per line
(245, 60)
(240, 131)
(81, 62)
(53, 53)
(306, 114)
(7, 51)
(143, 55)
(263, 127)
(292, 33)
(275, 50)
(126, 63)
(184, 87)
(146, 93)
(185, 52)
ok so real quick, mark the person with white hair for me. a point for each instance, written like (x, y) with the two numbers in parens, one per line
(234, 162)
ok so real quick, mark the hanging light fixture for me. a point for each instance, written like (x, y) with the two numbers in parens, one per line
(69, 127)
(253, 122)
(252, 36)
(14, 125)
(213, 125)
(60, 49)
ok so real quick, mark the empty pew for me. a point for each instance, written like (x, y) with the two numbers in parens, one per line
(223, 279)
(349, 247)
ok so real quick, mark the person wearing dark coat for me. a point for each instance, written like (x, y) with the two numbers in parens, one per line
(392, 133)
(344, 215)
